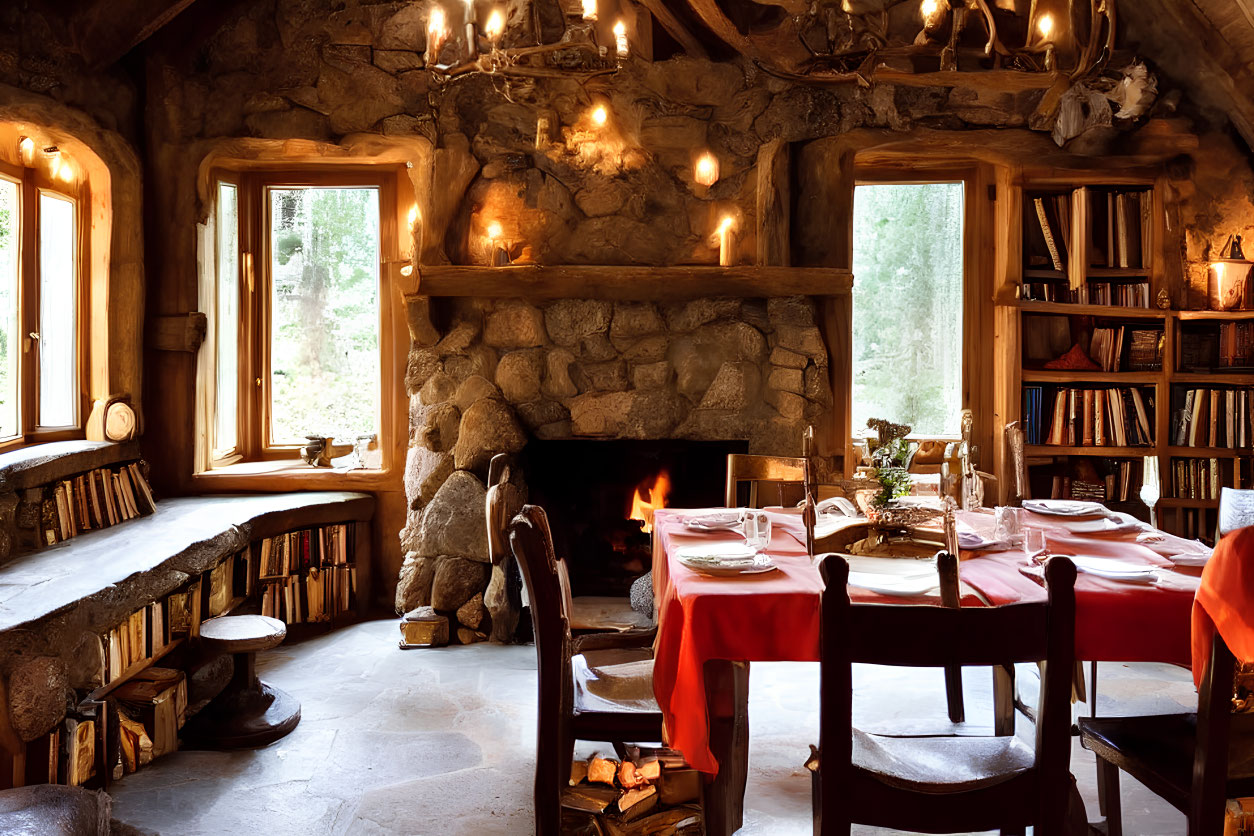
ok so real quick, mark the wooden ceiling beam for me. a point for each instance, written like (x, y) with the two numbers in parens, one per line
(106, 30)
(675, 28)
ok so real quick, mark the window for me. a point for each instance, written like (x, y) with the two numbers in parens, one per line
(298, 312)
(908, 306)
(40, 346)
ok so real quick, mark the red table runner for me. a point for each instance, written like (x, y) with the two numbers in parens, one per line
(774, 616)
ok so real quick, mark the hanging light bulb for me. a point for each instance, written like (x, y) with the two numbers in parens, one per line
(706, 170)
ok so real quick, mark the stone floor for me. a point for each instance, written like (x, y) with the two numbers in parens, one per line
(442, 742)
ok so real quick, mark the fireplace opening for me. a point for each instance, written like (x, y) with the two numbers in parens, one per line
(592, 489)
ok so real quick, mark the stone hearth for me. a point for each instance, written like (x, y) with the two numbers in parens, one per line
(485, 376)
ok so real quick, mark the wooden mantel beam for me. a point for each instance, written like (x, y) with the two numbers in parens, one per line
(617, 283)
(105, 30)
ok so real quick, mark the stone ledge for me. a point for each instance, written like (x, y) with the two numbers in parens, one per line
(120, 568)
(40, 464)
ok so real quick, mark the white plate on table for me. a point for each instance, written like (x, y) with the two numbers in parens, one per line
(1115, 570)
(723, 559)
(1065, 508)
(1114, 524)
(712, 521)
(900, 586)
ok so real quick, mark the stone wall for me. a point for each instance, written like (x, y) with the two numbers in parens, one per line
(506, 371)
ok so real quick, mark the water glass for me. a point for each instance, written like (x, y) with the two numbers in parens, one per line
(756, 526)
(1033, 544)
(1007, 524)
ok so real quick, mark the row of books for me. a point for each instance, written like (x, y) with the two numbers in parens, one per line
(299, 551)
(1196, 523)
(1213, 418)
(1236, 344)
(1118, 417)
(96, 499)
(1105, 480)
(1114, 294)
(1195, 478)
(319, 595)
(1119, 227)
(1144, 354)
(1052, 230)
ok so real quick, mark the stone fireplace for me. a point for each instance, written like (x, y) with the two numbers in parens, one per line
(489, 376)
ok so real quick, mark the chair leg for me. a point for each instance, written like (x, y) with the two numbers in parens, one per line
(1003, 700)
(1108, 797)
(953, 693)
(727, 690)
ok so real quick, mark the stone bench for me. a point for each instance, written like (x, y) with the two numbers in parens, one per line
(55, 603)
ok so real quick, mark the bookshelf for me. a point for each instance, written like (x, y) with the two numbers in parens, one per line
(1085, 269)
(140, 704)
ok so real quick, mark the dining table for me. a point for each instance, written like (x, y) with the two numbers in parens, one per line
(712, 626)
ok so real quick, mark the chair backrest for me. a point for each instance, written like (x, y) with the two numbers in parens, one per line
(549, 592)
(1236, 509)
(930, 636)
(779, 471)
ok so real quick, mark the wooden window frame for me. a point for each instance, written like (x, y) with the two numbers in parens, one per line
(253, 373)
(977, 308)
(32, 183)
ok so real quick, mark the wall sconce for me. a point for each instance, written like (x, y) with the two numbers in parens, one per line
(1227, 278)
(495, 28)
(705, 171)
(26, 149)
(497, 254)
(1045, 27)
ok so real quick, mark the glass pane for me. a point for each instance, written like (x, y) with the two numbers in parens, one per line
(58, 312)
(324, 313)
(226, 322)
(10, 232)
(907, 306)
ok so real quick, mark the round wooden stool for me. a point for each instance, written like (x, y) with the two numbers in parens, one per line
(248, 713)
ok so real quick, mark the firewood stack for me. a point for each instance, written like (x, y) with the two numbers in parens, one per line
(651, 793)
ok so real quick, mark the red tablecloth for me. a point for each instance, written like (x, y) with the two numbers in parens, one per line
(775, 616)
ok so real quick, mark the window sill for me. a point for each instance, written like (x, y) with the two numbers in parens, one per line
(288, 474)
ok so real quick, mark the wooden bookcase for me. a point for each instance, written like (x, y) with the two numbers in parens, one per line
(1031, 329)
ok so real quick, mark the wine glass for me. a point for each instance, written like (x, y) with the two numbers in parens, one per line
(757, 529)
(1034, 544)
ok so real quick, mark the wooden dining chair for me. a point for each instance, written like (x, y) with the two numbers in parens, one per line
(1236, 510)
(778, 474)
(1194, 761)
(943, 784)
(581, 696)
(594, 614)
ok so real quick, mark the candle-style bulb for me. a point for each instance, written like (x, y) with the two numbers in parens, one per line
(495, 27)
(620, 39)
(1045, 26)
(706, 169)
(927, 8)
(494, 230)
(600, 116)
(589, 9)
(436, 23)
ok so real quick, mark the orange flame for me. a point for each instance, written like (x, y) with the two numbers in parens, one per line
(642, 508)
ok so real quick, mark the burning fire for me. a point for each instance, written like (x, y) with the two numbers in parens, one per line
(642, 506)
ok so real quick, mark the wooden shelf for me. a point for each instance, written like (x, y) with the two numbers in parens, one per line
(1231, 378)
(627, 283)
(1179, 502)
(1203, 315)
(129, 673)
(1108, 311)
(1117, 272)
(1209, 452)
(1039, 450)
(1082, 376)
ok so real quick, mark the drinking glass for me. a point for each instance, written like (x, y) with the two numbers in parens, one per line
(1008, 524)
(757, 529)
(1033, 544)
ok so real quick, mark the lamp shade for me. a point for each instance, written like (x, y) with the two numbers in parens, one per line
(1226, 284)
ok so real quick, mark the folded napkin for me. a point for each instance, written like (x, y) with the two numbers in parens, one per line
(713, 519)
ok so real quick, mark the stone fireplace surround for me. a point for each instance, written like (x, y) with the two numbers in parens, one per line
(495, 373)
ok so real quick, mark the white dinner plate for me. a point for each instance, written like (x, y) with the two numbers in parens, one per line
(722, 559)
(901, 586)
(1065, 507)
(1101, 525)
(1115, 570)
(713, 521)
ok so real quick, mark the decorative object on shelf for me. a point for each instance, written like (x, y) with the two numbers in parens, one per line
(890, 458)
(319, 451)
(1228, 278)
(1074, 360)
(1163, 300)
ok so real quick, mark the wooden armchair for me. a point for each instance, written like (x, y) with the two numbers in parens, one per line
(943, 784)
(581, 698)
(586, 614)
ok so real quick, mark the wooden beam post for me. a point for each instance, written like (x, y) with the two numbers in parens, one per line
(774, 206)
